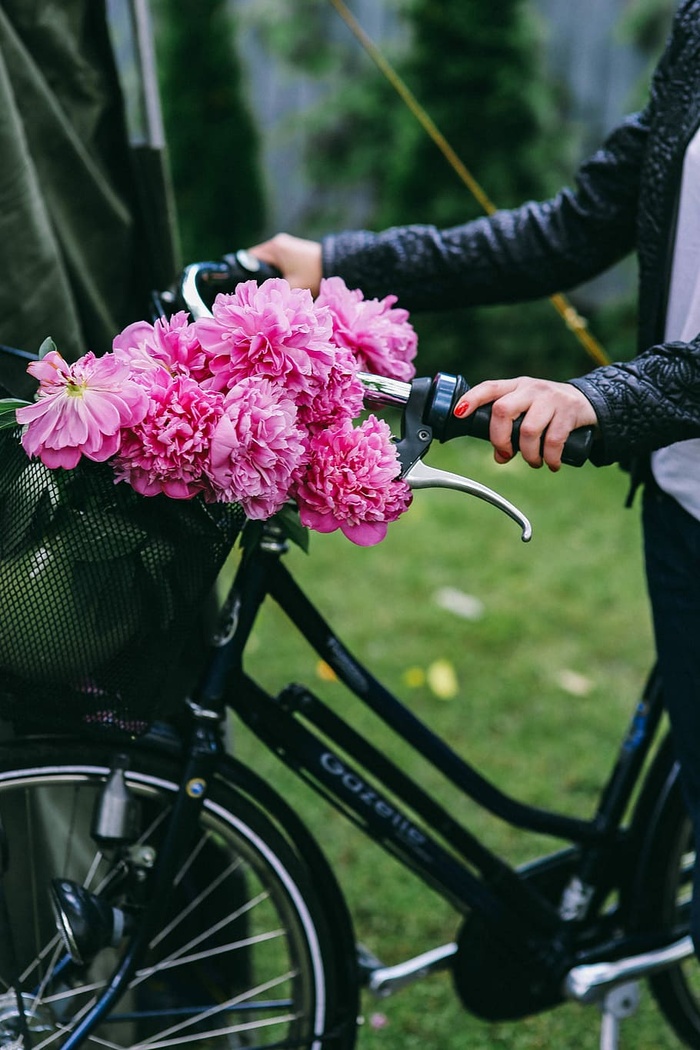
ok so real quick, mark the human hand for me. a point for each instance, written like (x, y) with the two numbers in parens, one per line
(298, 260)
(550, 412)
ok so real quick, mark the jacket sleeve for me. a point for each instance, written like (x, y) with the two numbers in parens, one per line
(646, 403)
(524, 253)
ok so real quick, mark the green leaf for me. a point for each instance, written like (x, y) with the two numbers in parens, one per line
(47, 346)
(288, 519)
(8, 408)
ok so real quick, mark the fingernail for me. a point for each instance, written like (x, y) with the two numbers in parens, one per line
(461, 409)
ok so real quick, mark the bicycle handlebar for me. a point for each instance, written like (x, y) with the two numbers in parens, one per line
(446, 390)
(427, 404)
(438, 414)
(221, 277)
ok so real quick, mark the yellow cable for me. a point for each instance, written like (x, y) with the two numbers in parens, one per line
(571, 317)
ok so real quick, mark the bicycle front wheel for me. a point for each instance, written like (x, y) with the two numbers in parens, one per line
(244, 957)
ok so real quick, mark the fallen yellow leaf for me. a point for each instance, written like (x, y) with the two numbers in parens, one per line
(442, 680)
(414, 677)
(325, 672)
(573, 682)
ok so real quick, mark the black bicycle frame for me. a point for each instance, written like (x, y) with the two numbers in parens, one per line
(370, 789)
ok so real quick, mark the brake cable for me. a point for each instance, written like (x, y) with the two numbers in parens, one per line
(568, 313)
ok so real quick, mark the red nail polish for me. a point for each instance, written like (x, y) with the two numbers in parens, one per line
(461, 409)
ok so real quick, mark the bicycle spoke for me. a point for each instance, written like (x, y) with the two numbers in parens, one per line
(70, 993)
(219, 1008)
(97, 860)
(217, 927)
(156, 823)
(63, 1029)
(49, 969)
(194, 854)
(195, 902)
(233, 956)
(220, 1032)
(101, 1041)
(210, 953)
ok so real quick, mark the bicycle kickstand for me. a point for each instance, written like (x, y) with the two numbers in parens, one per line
(619, 1003)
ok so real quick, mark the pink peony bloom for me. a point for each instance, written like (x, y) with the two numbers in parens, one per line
(271, 332)
(168, 450)
(253, 405)
(381, 337)
(132, 342)
(80, 409)
(341, 397)
(352, 483)
(171, 341)
(256, 448)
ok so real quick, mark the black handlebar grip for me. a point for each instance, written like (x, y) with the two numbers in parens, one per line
(447, 391)
(577, 447)
(244, 266)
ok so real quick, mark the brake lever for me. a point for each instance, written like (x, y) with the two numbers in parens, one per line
(421, 476)
(415, 440)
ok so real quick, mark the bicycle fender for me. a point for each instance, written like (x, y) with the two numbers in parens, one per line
(325, 884)
(659, 799)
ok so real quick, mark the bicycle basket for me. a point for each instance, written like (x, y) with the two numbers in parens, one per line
(102, 593)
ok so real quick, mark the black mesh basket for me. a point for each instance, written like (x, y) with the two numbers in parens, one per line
(102, 594)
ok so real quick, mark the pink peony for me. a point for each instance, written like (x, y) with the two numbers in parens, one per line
(171, 341)
(256, 448)
(352, 482)
(253, 405)
(168, 450)
(381, 337)
(341, 397)
(80, 409)
(271, 332)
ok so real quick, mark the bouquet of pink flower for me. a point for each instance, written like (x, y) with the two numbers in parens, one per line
(253, 405)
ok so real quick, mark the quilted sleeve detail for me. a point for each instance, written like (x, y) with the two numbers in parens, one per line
(646, 403)
(524, 253)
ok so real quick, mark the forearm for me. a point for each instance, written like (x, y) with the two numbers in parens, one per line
(525, 253)
(646, 403)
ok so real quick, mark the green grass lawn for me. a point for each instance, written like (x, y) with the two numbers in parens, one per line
(536, 690)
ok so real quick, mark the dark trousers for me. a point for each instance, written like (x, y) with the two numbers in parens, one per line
(672, 549)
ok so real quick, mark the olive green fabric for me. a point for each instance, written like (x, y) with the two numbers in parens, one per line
(77, 257)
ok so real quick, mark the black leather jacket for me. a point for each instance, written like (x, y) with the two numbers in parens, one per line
(624, 199)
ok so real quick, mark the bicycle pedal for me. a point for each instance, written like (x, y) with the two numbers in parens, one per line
(384, 980)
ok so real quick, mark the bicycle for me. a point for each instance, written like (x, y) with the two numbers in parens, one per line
(183, 901)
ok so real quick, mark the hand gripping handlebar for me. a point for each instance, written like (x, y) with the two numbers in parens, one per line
(447, 391)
